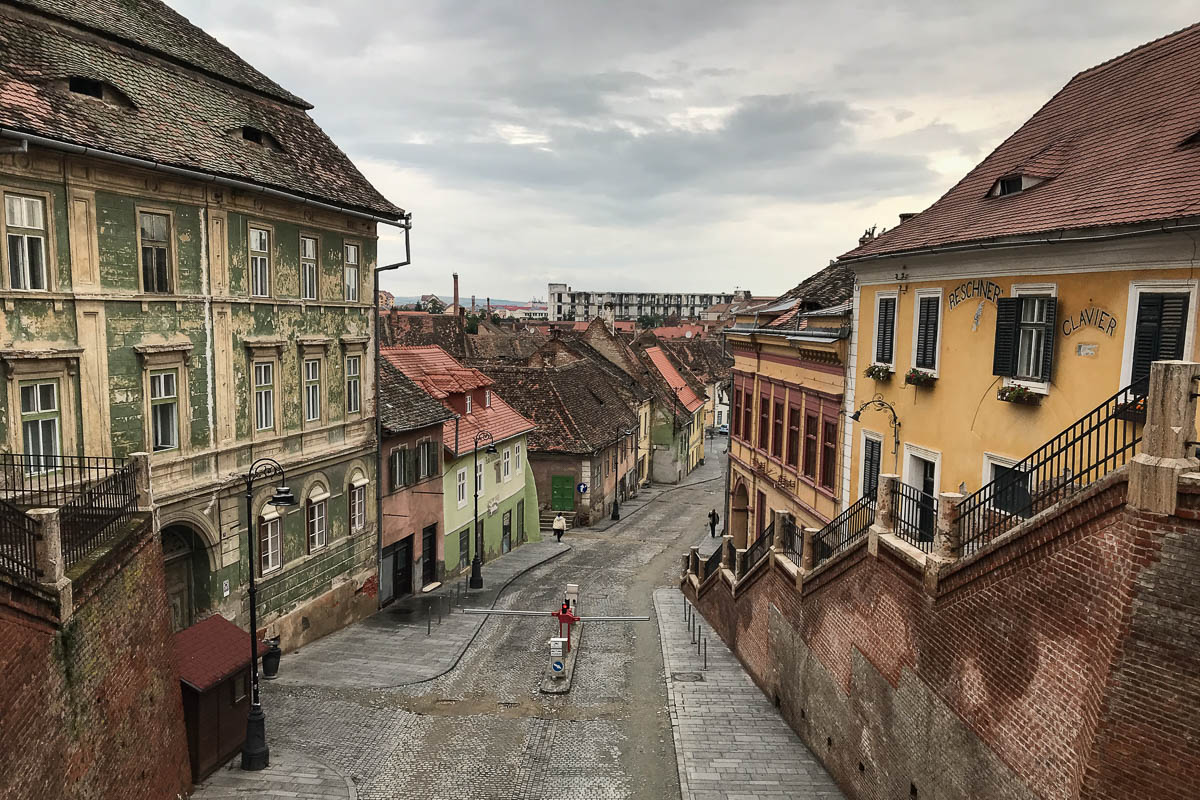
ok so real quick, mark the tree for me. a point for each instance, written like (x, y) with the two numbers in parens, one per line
(471, 324)
(417, 305)
(435, 306)
(649, 321)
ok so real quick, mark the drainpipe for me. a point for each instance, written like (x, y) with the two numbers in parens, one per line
(407, 225)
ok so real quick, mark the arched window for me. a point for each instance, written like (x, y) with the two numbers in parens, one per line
(270, 540)
(317, 517)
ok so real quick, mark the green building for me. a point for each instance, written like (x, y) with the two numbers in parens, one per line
(188, 271)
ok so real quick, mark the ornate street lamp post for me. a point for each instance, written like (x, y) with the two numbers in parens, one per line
(477, 565)
(878, 402)
(255, 753)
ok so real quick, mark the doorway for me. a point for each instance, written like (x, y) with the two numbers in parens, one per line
(739, 515)
(402, 577)
(922, 475)
(506, 532)
(186, 575)
(562, 493)
(429, 555)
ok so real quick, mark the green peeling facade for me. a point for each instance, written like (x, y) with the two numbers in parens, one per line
(102, 337)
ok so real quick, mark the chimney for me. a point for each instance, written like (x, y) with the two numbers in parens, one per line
(456, 293)
(472, 304)
(905, 217)
(489, 306)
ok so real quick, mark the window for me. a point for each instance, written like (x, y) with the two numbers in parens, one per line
(25, 223)
(764, 421)
(1024, 346)
(468, 404)
(885, 329)
(1160, 332)
(747, 410)
(872, 453)
(270, 544)
(464, 548)
(312, 389)
(264, 396)
(478, 478)
(777, 437)
(507, 472)
(318, 529)
(427, 459)
(155, 230)
(358, 507)
(1009, 185)
(925, 351)
(487, 398)
(39, 425)
(793, 437)
(829, 454)
(164, 409)
(260, 263)
(353, 392)
(351, 273)
(308, 268)
(398, 466)
(810, 445)
(462, 488)
(517, 457)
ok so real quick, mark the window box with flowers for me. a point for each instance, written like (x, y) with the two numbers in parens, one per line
(919, 377)
(879, 372)
(1019, 394)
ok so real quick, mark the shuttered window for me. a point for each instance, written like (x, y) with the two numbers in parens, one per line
(764, 421)
(1160, 332)
(811, 435)
(885, 330)
(872, 450)
(1024, 346)
(793, 437)
(777, 426)
(928, 312)
(735, 427)
(828, 454)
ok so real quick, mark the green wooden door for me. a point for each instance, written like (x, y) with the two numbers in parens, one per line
(562, 492)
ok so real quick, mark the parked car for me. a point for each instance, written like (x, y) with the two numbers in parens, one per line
(723, 430)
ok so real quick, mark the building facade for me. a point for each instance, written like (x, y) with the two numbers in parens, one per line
(153, 303)
(677, 425)
(565, 303)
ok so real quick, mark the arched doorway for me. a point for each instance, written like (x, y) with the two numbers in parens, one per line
(739, 515)
(186, 575)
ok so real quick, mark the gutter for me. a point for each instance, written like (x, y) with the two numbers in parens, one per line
(403, 221)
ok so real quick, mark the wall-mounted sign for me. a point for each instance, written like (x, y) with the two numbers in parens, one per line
(1090, 317)
(581, 488)
(782, 482)
(988, 290)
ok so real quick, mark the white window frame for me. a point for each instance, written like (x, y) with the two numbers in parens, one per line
(990, 460)
(316, 520)
(312, 390)
(350, 271)
(487, 398)
(862, 457)
(937, 347)
(462, 487)
(354, 384)
(479, 479)
(895, 295)
(161, 400)
(358, 506)
(506, 470)
(260, 260)
(468, 396)
(270, 559)
(310, 284)
(47, 462)
(1032, 290)
(1166, 285)
(517, 458)
(935, 456)
(264, 397)
(26, 233)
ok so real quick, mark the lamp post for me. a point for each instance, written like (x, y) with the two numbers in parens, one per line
(255, 753)
(477, 565)
(878, 402)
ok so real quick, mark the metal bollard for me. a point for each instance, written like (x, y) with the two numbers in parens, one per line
(706, 652)
(428, 620)
(439, 605)
(698, 638)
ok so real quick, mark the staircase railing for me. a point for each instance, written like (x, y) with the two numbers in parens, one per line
(18, 535)
(713, 563)
(760, 547)
(1095, 445)
(844, 530)
(914, 513)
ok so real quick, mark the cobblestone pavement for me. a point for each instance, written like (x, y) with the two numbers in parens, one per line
(730, 742)
(291, 774)
(483, 729)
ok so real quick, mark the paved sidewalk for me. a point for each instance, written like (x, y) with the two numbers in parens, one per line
(392, 648)
(729, 741)
(291, 774)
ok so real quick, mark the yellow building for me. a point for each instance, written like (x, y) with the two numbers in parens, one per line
(787, 398)
(1047, 279)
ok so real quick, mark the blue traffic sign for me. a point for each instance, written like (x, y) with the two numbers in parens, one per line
(582, 488)
(557, 666)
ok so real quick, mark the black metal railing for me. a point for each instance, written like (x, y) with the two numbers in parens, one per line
(1098, 443)
(18, 535)
(844, 530)
(712, 564)
(914, 513)
(94, 515)
(33, 481)
(793, 541)
(760, 547)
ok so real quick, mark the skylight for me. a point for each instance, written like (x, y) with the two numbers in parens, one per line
(1014, 184)
(258, 136)
(98, 89)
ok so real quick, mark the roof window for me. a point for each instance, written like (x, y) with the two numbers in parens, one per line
(260, 137)
(98, 89)
(1014, 184)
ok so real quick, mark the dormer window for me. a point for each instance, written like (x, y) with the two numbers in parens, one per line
(98, 89)
(468, 404)
(258, 136)
(88, 86)
(1009, 185)
(487, 398)
(1013, 184)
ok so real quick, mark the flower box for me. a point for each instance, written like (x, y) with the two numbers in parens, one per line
(919, 377)
(879, 372)
(1019, 394)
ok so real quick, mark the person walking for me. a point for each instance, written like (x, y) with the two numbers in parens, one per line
(560, 526)
(713, 519)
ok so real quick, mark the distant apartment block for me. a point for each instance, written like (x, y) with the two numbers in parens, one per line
(564, 303)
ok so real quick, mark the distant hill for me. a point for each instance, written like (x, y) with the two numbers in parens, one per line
(480, 302)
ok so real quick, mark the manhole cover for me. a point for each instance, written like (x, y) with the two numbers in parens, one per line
(687, 677)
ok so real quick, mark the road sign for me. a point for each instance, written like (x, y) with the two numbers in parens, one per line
(582, 488)
(557, 666)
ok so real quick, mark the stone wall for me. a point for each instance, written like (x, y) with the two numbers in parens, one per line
(1060, 663)
(91, 708)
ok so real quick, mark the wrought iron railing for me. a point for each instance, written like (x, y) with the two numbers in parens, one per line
(793, 541)
(93, 516)
(712, 564)
(18, 535)
(914, 514)
(844, 530)
(1098, 443)
(760, 547)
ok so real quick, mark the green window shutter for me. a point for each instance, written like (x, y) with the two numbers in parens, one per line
(871, 454)
(885, 330)
(1004, 356)
(927, 332)
(1048, 339)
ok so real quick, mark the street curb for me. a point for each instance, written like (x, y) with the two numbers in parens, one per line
(684, 789)
(471, 641)
(563, 686)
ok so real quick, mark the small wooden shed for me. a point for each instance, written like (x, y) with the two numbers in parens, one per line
(214, 673)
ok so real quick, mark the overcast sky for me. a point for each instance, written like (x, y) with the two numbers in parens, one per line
(694, 145)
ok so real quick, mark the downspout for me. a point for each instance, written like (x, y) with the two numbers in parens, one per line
(407, 225)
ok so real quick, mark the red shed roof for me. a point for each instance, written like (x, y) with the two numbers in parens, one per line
(210, 651)
(690, 400)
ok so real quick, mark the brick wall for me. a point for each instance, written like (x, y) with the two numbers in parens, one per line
(1061, 664)
(82, 702)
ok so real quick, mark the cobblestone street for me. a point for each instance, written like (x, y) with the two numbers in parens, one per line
(483, 729)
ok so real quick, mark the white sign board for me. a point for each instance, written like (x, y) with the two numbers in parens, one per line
(558, 660)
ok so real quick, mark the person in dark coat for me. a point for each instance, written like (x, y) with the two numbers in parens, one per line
(713, 519)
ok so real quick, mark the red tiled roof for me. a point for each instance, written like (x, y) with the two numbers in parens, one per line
(678, 331)
(690, 400)
(210, 651)
(440, 375)
(1110, 145)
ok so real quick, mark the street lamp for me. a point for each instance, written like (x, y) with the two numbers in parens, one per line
(878, 402)
(255, 753)
(477, 565)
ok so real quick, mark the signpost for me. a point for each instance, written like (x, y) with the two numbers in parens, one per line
(581, 488)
